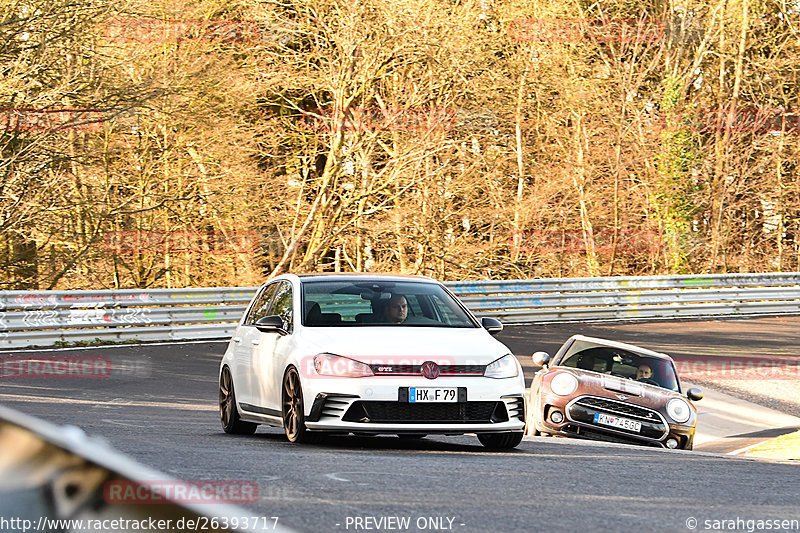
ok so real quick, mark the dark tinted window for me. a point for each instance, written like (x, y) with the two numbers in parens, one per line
(364, 303)
(282, 305)
(261, 305)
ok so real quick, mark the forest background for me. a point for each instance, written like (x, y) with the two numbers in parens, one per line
(216, 143)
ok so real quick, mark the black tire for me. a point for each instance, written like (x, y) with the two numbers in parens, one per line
(500, 441)
(228, 413)
(294, 421)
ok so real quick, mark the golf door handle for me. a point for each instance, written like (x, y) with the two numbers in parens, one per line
(237, 339)
(256, 342)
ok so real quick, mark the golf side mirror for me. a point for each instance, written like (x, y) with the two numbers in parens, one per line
(492, 325)
(270, 324)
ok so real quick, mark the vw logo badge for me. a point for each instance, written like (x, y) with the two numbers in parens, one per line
(430, 370)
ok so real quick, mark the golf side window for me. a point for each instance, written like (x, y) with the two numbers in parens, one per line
(283, 305)
(261, 305)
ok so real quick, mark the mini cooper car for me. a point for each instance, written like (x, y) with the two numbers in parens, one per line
(369, 354)
(605, 390)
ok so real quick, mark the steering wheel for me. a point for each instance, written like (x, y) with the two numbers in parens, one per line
(649, 381)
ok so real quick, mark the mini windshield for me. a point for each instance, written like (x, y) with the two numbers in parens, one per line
(621, 363)
(381, 303)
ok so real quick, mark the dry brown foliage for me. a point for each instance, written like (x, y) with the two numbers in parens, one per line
(217, 143)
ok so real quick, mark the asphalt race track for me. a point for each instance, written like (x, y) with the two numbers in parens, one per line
(160, 407)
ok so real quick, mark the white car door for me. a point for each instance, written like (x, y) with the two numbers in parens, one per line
(269, 355)
(246, 340)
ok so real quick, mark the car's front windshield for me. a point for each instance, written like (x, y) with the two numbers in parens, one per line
(381, 303)
(621, 363)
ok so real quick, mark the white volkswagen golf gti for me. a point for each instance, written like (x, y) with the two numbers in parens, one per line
(369, 354)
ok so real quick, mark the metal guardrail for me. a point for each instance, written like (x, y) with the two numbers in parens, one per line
(47, 318)
(29, 300)
(632, 298)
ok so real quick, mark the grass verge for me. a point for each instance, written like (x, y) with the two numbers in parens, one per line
(786, 448)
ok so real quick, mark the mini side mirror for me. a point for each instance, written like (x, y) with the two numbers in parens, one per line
(270, 324)
(694, 394)
(492, 325)
(541, 358)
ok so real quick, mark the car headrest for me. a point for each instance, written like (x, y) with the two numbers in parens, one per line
(313, 310)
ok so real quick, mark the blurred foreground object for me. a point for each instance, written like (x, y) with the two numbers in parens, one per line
(53, 477)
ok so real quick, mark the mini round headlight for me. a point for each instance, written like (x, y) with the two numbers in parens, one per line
(678, 410)
(564, 384)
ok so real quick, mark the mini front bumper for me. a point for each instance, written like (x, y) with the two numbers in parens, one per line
(684, 435)
(578, 422)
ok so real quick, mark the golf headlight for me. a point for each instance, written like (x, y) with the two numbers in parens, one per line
(564, 384)
(678, 410)
(341, 367)
(505, 367)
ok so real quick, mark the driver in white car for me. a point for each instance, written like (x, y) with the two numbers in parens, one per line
(397, 309)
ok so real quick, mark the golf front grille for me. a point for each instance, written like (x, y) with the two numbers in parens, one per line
(426, 413)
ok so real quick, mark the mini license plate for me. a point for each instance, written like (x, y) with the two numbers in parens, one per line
(427, 394)
(617, 422)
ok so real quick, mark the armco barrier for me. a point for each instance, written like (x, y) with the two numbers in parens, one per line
(47, 318)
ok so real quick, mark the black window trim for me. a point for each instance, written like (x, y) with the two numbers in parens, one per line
(247, 321)
(291, 290)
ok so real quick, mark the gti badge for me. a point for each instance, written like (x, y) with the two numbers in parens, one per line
(430, 370)
(622, 397)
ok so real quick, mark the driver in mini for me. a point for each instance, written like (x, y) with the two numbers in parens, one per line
(644, 372)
